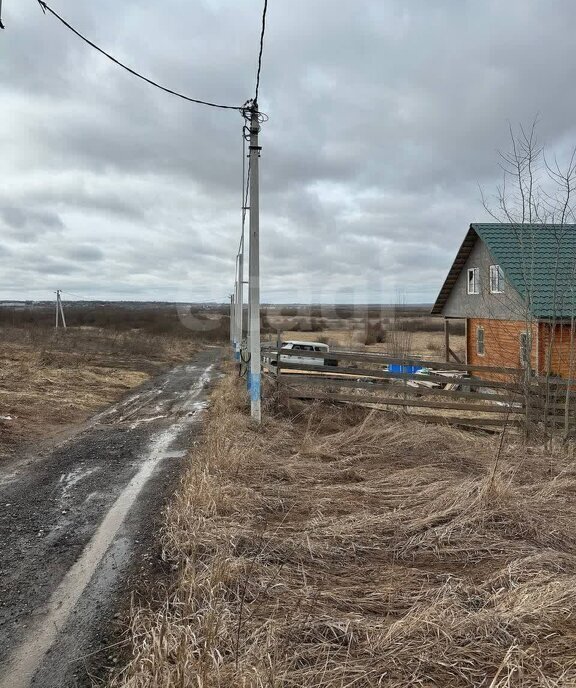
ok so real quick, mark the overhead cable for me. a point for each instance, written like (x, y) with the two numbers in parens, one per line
(46, 8)
(261, 49)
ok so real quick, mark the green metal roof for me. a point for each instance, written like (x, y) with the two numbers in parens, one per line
(539, 261)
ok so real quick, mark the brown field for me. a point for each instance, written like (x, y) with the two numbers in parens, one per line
(336, 548)
(424, 344)
(413, 333)
(50, 381)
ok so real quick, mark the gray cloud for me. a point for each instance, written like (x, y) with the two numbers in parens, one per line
(384, 118)
(85, 253)
(24, 218)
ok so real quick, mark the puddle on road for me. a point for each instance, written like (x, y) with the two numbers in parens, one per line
(150, 419)
(194, 406)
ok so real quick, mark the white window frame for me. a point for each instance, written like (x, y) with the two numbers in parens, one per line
(479, 329)
(473, 286)
(496, 280)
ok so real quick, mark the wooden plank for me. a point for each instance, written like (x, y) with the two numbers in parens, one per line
(417, 385)
(469, 422)
(557, 385)
(497, 423)
(278, 361)
(391, 401)
(382, 375)
(385, 359)
(454, 355)
(293, 380)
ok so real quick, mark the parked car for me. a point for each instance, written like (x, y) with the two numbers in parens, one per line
(307, 360)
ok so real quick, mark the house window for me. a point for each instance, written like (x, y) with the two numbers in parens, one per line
(474, 280)
(496, 279)
(525, 349)
(480, 341)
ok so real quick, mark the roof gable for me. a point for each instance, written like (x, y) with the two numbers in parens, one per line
(452, 276)
(539, 261)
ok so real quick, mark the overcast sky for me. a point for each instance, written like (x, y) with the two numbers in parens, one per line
(385, 116)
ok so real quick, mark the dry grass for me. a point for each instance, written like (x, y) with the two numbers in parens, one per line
(426, 344)
(49, 381)
(333, 549)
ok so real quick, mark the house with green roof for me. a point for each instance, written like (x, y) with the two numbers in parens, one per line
(514, 285)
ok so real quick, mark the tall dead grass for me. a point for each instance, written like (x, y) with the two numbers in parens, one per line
(335, 548)
(51, 380)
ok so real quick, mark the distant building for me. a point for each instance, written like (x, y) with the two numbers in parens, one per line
(515, 287)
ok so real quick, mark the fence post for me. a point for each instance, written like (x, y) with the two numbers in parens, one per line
(278, 363)
(404, 388)
(529, 392)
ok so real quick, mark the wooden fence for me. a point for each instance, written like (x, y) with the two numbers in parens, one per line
(433, 391)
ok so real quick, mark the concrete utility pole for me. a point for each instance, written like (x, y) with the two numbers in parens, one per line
(240, 300)
(59, 309)
(236, 334)
(1, 24)
(254, 269)
(232, 335)
(234, 314)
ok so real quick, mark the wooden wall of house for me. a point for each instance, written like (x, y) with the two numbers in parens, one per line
(557, 347)
(501, 342)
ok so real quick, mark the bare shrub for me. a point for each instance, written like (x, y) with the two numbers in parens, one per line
(313, 325)
(420, 324)
(375, 333)
(400, 341)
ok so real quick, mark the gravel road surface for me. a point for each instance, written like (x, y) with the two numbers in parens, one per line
(76, 518)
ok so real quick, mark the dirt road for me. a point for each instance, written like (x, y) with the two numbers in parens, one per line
(75, 520)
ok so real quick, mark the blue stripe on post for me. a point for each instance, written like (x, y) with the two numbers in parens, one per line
(255, 388)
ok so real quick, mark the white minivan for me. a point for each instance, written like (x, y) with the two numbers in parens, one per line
(307, 360)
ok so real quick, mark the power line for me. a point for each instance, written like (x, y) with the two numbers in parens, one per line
(246, 187)
(261, 49)
(47, 8)
(77, 296)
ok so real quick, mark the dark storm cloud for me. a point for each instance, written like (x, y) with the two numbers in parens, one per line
(384, 117)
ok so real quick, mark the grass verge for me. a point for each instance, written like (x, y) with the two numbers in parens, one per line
(338, 548)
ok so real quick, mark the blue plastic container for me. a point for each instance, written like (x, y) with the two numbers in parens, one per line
(399, 368)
